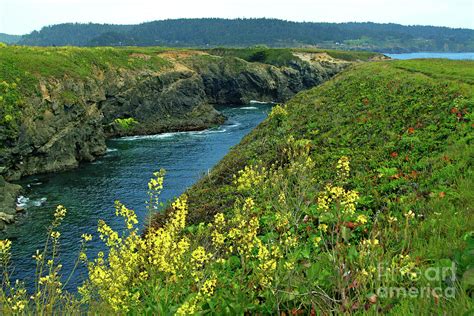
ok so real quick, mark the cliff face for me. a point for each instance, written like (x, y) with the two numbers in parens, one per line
(66, 120)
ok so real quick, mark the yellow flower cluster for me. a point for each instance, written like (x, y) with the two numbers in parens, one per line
(217, 230)
(164, 247)
(60, 212)
(362, 219)
(405, 266)
(206, 290)
(343, 167)
(323, 227)
(156, 183)
(55, 234)
(296, 149)
(199, 257)
(249, 177)
(5, 247)
(208, 287)
(188, 308)
(282, 220)
(86, 237)
(108, 235)
(278, 112)
(266, 266)
(128, 215)
(289, 239)
(244, 234)
(178, 220)
(17, 302)
(289, 265)
(409, 215)
(114, 279)
(370, 243)
(346, 199)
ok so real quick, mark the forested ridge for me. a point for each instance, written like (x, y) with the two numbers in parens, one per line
(212, 32)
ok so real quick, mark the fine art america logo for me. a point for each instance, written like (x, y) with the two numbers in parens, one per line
(439, 282)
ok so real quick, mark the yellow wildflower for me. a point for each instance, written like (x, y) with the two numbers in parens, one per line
(317, 240)
(342, 167)
(156, 183)
(323, 227)
(129, 215)
(86, 237)
(392, 219)
(5, 246)
(60, 212)
(249, 177)
(187, 308)
(370, 242)
(362, 219)
(409, 214)
(207, 288)
(289, 265)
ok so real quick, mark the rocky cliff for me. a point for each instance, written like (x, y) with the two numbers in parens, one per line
(65, 118)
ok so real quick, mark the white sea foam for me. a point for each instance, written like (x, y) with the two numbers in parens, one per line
(234, 124)
(39, 202)
(174, 134)
(249, 108)
(24, 202)
(260, 102)
(155, 136)
(207, 132)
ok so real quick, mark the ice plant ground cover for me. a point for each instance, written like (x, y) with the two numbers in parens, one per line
(355, 197)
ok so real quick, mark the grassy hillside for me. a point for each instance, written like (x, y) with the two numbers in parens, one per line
(365, 105)
(355, 197)
(27, 63)
(406, 127)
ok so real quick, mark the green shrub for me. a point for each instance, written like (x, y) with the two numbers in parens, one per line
(126, 123)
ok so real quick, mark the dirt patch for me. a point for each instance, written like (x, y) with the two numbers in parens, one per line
(379, 58)
(181, 54)
(140, 56)
(317, 57)
(176, 56)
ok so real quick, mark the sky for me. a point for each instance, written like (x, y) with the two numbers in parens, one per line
(24, 16)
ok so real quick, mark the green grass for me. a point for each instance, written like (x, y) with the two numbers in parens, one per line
(31, 63)
(407, 128)
(272, 56)
(461, 70)
(342, 123)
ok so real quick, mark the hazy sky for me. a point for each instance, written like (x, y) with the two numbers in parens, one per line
(24, 16)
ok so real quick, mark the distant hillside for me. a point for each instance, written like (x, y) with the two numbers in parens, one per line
(9, 39)
(248, 32)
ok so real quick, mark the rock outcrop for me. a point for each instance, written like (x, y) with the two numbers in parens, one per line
(8, 194)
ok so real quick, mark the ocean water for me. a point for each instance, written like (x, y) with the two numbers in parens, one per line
(89, 191)
(456, 56)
